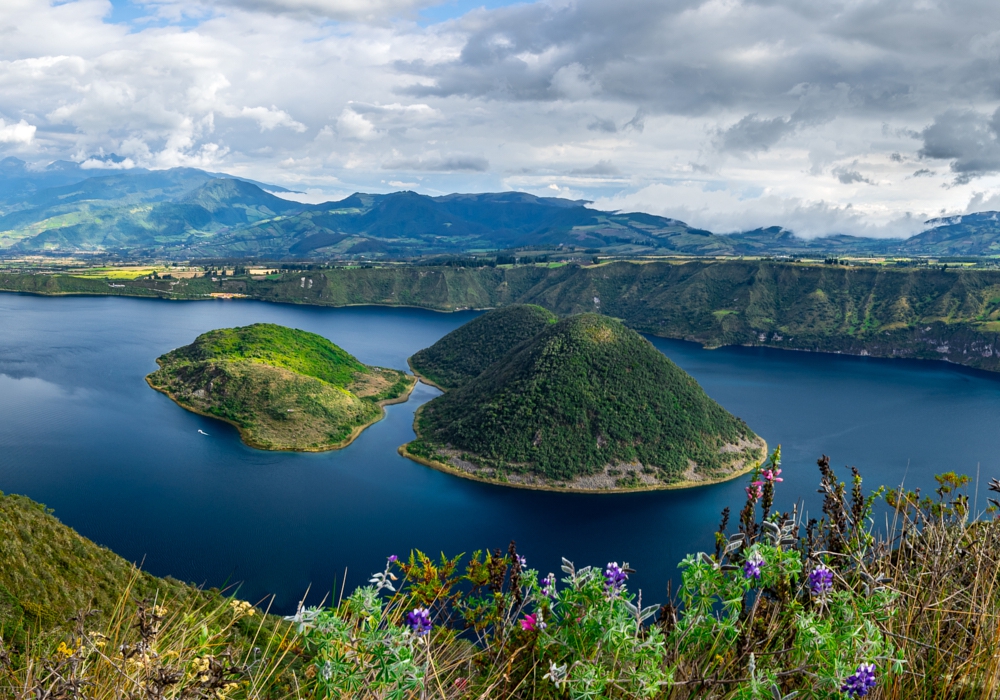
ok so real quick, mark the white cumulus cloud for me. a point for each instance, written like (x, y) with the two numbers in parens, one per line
(272, 118)
(22, 132)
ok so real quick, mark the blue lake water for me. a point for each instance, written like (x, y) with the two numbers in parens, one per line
(82, 432)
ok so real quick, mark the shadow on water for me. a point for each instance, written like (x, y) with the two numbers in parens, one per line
(81, 432)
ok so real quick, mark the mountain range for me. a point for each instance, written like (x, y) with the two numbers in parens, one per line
(186, 213)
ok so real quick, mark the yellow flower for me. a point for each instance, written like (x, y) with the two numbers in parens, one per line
(199, 666)
(241, 608)
(226, 690)
(65, 650)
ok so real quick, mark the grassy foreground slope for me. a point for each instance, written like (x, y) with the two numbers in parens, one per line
(49, 573)
(285, 389)
(464, 353)
(77, 620)
(488, 627)
(586, 404)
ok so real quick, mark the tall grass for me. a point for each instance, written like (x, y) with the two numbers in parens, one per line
(783, 608)
(195, 647)
(945, 568)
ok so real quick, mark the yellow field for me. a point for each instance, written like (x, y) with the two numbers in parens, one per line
(131, 273)
(117, 273)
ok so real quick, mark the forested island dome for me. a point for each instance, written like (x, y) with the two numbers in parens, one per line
(284, 389)
(586, 404)
(467, 351)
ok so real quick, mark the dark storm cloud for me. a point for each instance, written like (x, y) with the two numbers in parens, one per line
(452, 163)
(689, 57)
(850, 177)
(751, 133)
(606, 125)
(967, 138)
(602, 167)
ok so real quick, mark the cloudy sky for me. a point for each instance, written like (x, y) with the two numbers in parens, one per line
(824, 116)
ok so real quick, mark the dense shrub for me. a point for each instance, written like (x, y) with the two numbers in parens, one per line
(583, 394)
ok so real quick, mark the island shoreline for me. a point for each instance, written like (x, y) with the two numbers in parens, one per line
(422, 378)
(249, 442)
(449, 469)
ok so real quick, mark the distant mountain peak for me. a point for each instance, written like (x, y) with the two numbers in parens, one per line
(963, 218)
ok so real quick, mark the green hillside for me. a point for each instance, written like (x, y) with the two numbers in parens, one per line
(586, 404)
(464, 353)
(141, 216)
(79, 621)
(50, 573)
(284, 389)
(407, 224)
(184, 213)
(972, 234)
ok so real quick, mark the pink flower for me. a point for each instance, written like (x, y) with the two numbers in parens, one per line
(771, 475)
(532, 623)
(754, 491)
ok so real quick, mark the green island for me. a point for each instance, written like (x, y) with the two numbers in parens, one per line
(466, 352)
(585, 405)
(284, 389)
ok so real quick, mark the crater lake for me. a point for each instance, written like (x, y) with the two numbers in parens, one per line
(81, 432)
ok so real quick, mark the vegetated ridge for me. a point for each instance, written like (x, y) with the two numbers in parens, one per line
(587, 404)
(285, 389)
(467, 351)
(948, 314)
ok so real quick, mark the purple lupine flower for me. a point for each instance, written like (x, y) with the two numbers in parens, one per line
(549, 586)
(419, 621)
(393, 558)
(861, 682)
(751, 567)
(820, 580)
(614, 577)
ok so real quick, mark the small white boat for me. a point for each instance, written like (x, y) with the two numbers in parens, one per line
(202, 431)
